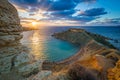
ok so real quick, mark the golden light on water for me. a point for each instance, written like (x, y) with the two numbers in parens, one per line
(35, 37)
(36, 46)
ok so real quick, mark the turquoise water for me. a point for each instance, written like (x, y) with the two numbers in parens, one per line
(44, 46)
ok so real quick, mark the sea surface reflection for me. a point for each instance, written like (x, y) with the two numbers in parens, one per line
(43, 46)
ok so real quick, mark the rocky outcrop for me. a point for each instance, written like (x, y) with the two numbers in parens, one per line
(82, 37)
(94, 59)
(10, 27)
(16, 62)
(114, 73)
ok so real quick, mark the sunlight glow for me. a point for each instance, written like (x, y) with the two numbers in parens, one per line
(34, 23)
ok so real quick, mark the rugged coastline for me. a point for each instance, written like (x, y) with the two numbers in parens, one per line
(96, 52)
(96, 60)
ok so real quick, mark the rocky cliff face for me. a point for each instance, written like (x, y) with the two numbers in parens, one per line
(10, 27)
(91, 62)
(15, 60)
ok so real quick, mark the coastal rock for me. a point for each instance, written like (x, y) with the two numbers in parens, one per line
(30, 68)
(10, 27)
(23, 58)
(5, 64)
(7, 55)
(41, 75)
(98, 65)
(57, 76)
(78, 72)
(19, 61)
(82, 37)
(96, 55)
(15, 59)
(114, 73)
(16, 63)
(74, 36)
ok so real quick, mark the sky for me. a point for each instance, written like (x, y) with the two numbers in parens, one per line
(68, 12)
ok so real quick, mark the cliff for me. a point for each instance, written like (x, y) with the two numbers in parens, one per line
(15, 61)
(10, 27)
(95, 60)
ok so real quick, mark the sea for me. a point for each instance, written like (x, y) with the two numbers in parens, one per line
(43, 46)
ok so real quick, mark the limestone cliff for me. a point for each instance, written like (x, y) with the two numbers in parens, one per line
(92, 62)
(15, 61)
(10, 27)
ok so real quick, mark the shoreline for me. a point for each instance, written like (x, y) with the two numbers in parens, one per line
(97, 48)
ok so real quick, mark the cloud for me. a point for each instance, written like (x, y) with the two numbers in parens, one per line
(56, 10)
(50, 5)
(108, 22)
(93, 12)
(63, 13)
(113, 21)
(69, 17)
(77, 1)
(83, 17)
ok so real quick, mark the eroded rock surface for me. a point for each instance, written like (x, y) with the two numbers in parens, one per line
(10, 27)
(16, 62)
(114, 73)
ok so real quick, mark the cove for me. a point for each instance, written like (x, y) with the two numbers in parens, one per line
(43, 46)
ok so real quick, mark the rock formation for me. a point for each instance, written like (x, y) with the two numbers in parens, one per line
(114, 73)
(10, 27)
(15, 60)
(96, 55)
(93, 61)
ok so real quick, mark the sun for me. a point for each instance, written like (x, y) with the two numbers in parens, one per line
(34, 23)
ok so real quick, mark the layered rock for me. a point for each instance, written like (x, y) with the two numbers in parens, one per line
(16, 62)
(10, 27)
(93, 60)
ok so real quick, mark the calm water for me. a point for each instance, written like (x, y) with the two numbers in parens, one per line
(44, 46)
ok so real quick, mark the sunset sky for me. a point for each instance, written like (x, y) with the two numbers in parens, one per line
(68, 12)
